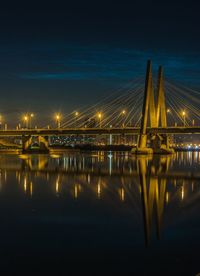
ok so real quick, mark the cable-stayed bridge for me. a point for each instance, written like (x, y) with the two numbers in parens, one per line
(150, 109)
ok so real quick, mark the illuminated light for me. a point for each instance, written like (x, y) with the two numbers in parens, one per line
(122, 194)
(192, 186)
(88, 178)
(32, 115)
(167, 197)
(75, 191)
(99, 115)
(168, 110)
(57, 186)
(31, 188)
(25, 184)
(76, 113)
(183, 113)
(182, 192)
(99, 190)
(124, 112)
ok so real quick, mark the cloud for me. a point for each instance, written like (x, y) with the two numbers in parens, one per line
(61, 62)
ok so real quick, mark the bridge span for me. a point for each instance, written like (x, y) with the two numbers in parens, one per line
(99, 131)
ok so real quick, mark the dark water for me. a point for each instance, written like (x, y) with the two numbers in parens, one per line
(100, 213)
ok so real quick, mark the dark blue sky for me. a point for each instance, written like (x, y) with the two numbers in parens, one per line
(58, 57)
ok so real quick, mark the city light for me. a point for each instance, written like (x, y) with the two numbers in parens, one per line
(27, 118)
(58, 118)
(123, 113)
(184, 114)
(76, 116)
(99, 115)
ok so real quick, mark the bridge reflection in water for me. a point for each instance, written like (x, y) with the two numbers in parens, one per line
(149, 185)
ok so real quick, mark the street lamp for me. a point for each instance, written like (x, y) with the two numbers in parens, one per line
(184, 114)
(31, 117)
(58, 120)
(26, 121)
(76, 117)
(123, 114)
(100, 117)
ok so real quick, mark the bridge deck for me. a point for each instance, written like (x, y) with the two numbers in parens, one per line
(98, 131)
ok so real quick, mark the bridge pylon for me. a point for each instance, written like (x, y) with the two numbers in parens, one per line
(154, 112)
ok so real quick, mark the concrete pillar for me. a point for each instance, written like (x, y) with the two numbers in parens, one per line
(147, 94)
(43, 142)
(26, 142)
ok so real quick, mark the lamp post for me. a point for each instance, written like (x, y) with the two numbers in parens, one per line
(100, 117)
(26, 121)
(193, 122)
(123, 114)
(30, 118)
(184, 114)
(76, 117)
(58, 120)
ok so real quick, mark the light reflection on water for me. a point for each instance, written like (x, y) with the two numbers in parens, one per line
(145, 201)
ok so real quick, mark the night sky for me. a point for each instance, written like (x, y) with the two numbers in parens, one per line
(56, 57)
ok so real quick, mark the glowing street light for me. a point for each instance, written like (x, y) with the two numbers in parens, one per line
(123, 114)
(100, 117)
(31, 117)
(58, 117)
(76, 117)
(184, 114)
(25, 121)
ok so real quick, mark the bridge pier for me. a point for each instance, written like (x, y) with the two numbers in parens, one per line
(44, 142)
(27, 143)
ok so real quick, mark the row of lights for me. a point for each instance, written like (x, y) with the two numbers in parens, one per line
(27, 118)
(76, 113)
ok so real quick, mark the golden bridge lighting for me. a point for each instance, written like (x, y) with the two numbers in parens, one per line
(182, 192)
(76, 113)
(168, 110)
(99, 115)
(75, 191)
(122, 194)
(58, 118)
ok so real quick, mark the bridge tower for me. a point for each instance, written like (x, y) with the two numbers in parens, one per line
(154, 111)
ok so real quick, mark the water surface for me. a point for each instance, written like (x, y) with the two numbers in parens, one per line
(101, 212)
